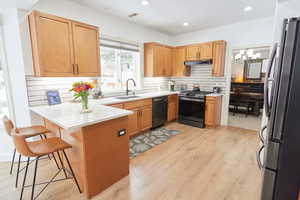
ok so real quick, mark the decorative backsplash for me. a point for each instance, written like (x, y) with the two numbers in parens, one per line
(201, 75)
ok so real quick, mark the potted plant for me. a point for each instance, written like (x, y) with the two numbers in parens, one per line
(81, 90)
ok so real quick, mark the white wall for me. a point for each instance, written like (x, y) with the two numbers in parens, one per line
(252, 33)
(14, 66)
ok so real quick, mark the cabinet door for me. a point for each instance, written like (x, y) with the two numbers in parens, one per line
(86, 49)
(133, 121)
(158, 60)
(206, 51)
(52, 45)
(192, 52)
(145, 118)
(167, 61)
(209, 113)
(172, 111)
(219, 51)
(179, 69)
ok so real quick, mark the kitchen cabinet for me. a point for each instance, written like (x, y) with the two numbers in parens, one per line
(141, 120)
(213, 110)
(157, 60)
(145, 118)
(133, 122)
(179, 69)
(203, 51)
(62, 47)
(172, 107)
(219, 53)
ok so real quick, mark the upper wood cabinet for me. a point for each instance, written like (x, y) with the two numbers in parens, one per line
(219, 53)
(203, 51)
(62, 47)
(179, 69)
(157, 60)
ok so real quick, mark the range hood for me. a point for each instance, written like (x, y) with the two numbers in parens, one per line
(197, 62)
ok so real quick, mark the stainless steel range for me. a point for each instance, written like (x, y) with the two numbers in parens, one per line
(192, 108)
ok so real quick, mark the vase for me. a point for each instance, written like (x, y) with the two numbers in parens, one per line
(85, 104)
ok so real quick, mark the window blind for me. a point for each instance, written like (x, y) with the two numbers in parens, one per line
(104, 42)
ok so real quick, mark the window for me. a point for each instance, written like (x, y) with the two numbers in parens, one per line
(119, 62)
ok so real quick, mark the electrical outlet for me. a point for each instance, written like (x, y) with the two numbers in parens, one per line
(122, 132)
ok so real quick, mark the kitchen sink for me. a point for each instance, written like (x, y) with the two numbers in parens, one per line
(127, 97)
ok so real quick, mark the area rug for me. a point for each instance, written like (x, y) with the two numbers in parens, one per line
(146, 141)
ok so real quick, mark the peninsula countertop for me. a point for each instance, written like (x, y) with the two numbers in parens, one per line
(68, 116)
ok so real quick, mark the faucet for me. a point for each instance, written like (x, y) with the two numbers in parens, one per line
(127, 90)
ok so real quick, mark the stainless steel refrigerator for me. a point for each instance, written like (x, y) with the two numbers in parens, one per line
(281, 137)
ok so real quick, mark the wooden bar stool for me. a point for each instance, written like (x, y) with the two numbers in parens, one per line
(38, 149)
(27, 132)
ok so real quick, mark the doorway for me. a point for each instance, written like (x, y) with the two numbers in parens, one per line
(249, 66)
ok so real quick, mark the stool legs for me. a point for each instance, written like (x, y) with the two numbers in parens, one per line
(12, 162)
(62, 165)
(18, 170)
(71, 171)
(24, 179)
(34, 177)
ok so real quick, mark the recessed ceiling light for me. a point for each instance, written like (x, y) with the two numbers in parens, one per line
(248, 8)
(145, 2)
(186, 24)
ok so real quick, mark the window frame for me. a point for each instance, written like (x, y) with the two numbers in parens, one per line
(119, 45)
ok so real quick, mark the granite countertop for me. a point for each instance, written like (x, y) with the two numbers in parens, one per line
(67, 115)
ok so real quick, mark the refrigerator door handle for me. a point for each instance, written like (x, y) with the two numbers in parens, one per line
(268, 79)
(260, 134)
(259, 163)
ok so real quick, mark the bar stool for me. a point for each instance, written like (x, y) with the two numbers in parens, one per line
(38, 149)
(27, 132)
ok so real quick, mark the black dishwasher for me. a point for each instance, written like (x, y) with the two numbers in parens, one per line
(159, 111)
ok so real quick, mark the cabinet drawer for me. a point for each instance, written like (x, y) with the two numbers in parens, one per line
(172, 98)
(137, 104)
(119, 105)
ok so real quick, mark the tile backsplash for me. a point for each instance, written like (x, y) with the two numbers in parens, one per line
(200, 74)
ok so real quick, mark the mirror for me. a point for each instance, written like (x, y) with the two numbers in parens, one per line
(252, 69)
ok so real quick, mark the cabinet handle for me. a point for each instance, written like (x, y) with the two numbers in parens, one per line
(73, 68)
(77, 69)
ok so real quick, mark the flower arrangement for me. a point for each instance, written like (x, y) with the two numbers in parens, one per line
(81, 90)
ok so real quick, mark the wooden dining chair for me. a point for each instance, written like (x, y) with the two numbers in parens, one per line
(28, 132)
(37, 149)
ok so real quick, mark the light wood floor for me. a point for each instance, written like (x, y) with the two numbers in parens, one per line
(199, 164)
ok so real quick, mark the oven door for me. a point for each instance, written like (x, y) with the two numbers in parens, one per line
(192, 111)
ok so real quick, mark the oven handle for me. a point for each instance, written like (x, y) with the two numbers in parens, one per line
(188, 99)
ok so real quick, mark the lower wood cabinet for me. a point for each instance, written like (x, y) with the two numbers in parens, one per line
(172, 107)
(133, 122)
(213, 110)
(141, 119)
(145, 118)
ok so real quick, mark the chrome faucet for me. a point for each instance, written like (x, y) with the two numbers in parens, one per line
(127, 90)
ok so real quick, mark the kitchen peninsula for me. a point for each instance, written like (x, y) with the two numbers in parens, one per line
(100, 145)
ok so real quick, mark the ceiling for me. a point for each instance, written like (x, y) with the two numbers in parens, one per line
(168, 16)
(22, 4)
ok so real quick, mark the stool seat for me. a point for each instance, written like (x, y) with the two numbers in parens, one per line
(32, 131)
(50, 145)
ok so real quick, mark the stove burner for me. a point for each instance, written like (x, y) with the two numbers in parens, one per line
(194, 94)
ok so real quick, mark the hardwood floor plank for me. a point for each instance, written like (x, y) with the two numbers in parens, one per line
(206, 164)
